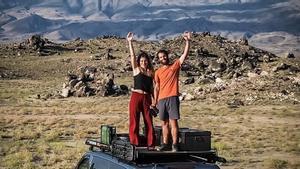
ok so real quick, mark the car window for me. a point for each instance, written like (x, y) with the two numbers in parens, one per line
(100, 163)
(84, 164)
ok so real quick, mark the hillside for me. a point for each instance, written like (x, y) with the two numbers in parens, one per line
(249, 98)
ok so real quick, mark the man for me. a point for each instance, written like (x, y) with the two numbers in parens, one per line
(166, 93)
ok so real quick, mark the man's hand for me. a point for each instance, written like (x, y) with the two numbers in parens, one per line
(187, 36)
(153, 104)
(129, 36)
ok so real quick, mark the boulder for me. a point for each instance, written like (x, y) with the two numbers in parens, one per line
(79, 85)
(288, 55)
(81, 91)
(71, 76)
(219, 80)
(252, 75)
(109, 55)
(186, 96)
(124, 88)
(266, 58)
(264, 73)
(214, 66)
(65, 92)
(244, 41)
(73, 82)
(87, 73)
(247, 65)
(189, 97)
(281, 66)
(235, 103)
(217, 87)
(36, 42)
(189, 81)
(66, 60)
(198, 90)
(96, 56)
(205, 80)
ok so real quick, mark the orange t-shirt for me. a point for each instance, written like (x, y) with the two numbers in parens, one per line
(167, 78)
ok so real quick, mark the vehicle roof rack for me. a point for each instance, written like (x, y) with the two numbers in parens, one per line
(118, 145)
(124, 150)
(94, 143)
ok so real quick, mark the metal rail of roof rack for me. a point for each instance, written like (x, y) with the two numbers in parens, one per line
(98, 144)
(131, 153)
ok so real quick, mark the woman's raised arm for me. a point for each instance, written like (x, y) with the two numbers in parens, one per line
(132, 54)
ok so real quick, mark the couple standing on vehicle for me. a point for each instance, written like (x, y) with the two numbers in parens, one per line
(163, 94)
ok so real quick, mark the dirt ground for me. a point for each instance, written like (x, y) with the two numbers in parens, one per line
(42, 132)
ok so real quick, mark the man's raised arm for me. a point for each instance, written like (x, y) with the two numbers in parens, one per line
(187, 38)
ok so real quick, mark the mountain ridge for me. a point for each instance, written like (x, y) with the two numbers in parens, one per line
(151, 19)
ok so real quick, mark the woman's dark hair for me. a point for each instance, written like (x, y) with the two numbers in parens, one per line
(144, 55)
(162, 51)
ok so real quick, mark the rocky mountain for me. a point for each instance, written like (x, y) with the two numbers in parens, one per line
(271, 25)
(217, 69)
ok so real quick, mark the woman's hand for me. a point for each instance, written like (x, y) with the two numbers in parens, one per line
(187, 36)
(129, 36)
(153, 105)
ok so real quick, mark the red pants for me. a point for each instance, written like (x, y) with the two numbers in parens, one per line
(140, 103)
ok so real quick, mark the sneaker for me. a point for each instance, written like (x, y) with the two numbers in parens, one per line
(162, 147)
(174, 148)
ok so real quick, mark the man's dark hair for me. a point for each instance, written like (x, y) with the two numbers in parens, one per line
(163, 51)
(144, 55)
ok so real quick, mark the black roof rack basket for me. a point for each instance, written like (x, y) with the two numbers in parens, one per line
(124, 150)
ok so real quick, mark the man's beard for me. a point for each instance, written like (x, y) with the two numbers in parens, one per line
(165, 62)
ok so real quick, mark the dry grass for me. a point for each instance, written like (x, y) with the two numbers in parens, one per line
(37, 133)
(43, 134)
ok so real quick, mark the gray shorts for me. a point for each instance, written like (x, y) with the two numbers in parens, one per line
(169, 108)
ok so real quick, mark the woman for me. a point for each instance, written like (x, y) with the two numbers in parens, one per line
(140, 100)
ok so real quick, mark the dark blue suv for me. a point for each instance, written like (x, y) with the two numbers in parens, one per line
(127, 156)
(114, 151)
(102, 160)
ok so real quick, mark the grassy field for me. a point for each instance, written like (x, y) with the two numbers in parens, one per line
(50, 133)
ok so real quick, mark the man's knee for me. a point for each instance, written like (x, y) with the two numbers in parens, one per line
(165, 123)
(174, 123)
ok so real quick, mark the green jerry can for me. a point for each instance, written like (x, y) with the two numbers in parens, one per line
(107, 134)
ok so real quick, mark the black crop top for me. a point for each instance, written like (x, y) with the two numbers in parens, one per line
(143, 82)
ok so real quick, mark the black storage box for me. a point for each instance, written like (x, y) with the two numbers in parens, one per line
(194, 140)
(188, 139)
